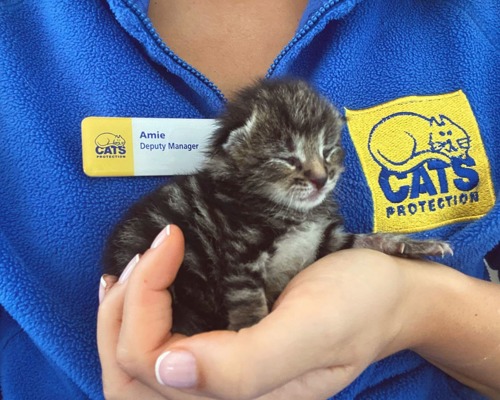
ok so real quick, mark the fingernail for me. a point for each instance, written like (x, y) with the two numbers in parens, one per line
(176, 369)
(128, 269)
(102, 289)
(161, 237)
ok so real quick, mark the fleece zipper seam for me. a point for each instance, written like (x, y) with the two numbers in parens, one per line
(158, 40)
(311, 22)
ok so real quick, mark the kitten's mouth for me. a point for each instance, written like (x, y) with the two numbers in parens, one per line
(315, 195)
(302, 198)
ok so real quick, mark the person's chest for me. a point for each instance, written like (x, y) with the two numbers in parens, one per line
(231, 43)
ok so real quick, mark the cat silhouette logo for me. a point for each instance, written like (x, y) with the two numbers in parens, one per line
(424, 161)
(422, 139)
(109, 145)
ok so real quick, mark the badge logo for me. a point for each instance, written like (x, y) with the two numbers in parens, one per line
(109, 145)
(424, 161)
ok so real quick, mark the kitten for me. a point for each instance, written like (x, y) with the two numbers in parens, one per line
(257, 213)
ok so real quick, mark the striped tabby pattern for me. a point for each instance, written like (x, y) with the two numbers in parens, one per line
(258, 212)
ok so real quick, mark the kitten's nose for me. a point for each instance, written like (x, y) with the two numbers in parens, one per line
(316, 174)
(318, 181)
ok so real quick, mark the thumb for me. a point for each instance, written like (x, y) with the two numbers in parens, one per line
(248, 363)
(147, 313)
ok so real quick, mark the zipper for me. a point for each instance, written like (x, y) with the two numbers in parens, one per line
(311, 22)
(154, 34)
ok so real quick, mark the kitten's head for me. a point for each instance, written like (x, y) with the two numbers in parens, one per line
(279, 140)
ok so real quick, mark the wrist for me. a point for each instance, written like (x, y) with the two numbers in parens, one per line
(451, 320)
(432, 292)
(429, 291)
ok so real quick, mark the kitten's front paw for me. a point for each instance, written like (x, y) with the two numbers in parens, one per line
(239, 320)
(402, 245)
(425, 248)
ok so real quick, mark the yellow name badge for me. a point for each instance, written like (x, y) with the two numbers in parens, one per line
(144, 146)
(424, 161)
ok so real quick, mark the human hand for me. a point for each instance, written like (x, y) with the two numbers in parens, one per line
(334, 319)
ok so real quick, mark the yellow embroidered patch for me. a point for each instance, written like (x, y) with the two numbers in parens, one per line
(424, 161)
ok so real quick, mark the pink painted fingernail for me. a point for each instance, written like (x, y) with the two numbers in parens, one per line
(106, 283)
(128, 269)
(161, 237)
(102, 289)
(176, 369)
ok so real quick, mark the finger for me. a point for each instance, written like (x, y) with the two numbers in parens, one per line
(109, 319)
(106, 283)
(117, 384)
(147, 314)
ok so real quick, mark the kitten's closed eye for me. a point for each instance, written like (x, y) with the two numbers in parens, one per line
(291, 162)
(332, 154)
(328, 152)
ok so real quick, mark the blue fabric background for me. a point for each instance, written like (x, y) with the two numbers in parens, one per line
(63, 61)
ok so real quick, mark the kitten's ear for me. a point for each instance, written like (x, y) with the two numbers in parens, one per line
(241, 134)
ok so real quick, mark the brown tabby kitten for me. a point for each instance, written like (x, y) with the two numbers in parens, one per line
(258, 212)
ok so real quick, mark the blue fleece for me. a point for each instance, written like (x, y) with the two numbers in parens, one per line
(63, 61)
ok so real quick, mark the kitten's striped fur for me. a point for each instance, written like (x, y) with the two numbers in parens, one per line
(257, 213)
